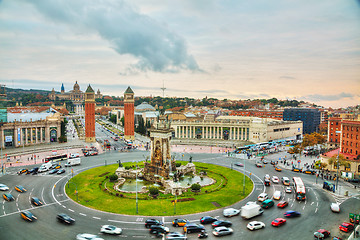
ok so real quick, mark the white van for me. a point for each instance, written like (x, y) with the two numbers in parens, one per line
(277, 195)
(262, 197)
(45, 167)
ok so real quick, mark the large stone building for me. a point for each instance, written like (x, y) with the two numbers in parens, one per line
(237, 128)
(30, 125)
(75, 95)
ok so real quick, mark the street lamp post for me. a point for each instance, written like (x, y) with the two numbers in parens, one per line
(337, 170)
(137, 203)
(244, 178)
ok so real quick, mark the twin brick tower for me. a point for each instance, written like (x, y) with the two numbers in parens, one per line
(90, 114)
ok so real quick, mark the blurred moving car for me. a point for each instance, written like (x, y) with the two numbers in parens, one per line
(33, 171)
(110, 229)
(61, 171)
(20, 188)
(28, 216)
(62, 217)
(221, 223)
(176, 236)
(291, 214)
(87, 236)
(288, 190)
(151, 221)
(159, 229)
(193, 227)
(24, 170)
(54, 171)
(230, 212)
(277, 222)
(255, 225)
(278, 169)
(179, 222)
(282, 204)
(335, 207)
(3, 187)
(36, 201)
(8, 197)
(277, 195)
(207, 219)
(239, 164)
(222, 231)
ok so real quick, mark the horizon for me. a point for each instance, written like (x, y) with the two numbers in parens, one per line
(305, 51)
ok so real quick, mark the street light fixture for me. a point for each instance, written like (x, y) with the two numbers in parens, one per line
(337, 172)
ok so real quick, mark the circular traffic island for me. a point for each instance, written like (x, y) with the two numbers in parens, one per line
(94, 188)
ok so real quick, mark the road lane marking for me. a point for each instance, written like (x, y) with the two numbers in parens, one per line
(42, 195)
(304, 207)
(312, 203)
(316, 210)
(71, 210)
(97, 218)
(110, 220)
(64, 206)
(82, 214)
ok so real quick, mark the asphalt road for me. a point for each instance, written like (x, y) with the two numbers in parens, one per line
(315, 210)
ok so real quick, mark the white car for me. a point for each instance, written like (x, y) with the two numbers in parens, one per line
(229, 212)
(250, 203)
(275, 179)
(3, 187)
(335, 207)
(288, 190)
(267, 176)
(87, 236)
(255, 225)
(277, 195)
(109, 229)
(262, 197)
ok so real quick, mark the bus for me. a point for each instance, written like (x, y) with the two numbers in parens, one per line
(56, 158)
(299, 189)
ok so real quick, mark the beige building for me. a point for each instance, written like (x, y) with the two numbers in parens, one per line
(239, 128)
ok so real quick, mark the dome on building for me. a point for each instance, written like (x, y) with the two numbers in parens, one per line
(76, 86)
(144, 106)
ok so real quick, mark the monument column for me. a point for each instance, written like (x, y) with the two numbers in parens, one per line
(129, 114)
(89, 115)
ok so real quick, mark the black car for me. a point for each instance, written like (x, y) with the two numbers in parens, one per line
(221, 223)
(193, 227)
(267, 182)
(207, 219)
(33, 171)
(158, 229)
(62, 217)
(151, 221)
(36, 201)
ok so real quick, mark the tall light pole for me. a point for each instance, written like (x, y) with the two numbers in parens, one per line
(137, 203)
(244, 179)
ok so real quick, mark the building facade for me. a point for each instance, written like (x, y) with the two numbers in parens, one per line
(129, 125)
(334, 128)
(350, 139)
(309, 116)
(246, 129)
(275, 114)
(30, 125)
(89, 115)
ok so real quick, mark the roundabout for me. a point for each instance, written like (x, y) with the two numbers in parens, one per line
(93, 188)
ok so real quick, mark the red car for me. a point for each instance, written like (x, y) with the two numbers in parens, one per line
(282, 204)
(278, 222)
(323, 232)
(346, 227)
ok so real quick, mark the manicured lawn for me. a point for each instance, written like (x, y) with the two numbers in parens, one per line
(226, 191)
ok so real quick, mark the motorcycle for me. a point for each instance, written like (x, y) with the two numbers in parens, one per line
(203, 235)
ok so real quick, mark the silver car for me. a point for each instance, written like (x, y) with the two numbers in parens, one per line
(222, 231)
(176, 236)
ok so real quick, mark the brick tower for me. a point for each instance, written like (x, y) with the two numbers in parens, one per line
(89, 115)
(129, 114)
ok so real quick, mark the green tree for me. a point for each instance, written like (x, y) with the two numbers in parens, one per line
(195, 187)
(153, 191)
(112, 118)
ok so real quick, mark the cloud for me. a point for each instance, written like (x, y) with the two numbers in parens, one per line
(335, 97)
(287, 77)
(155, 47)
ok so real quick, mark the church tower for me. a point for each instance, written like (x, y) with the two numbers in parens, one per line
(62, 89)
(89, 115)
(129, 114)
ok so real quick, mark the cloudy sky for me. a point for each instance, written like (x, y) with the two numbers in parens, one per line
(235, 49)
